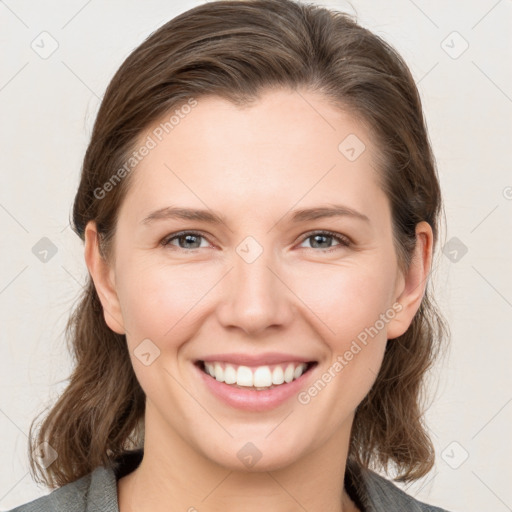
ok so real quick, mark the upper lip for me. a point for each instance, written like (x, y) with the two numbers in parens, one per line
(256, 360)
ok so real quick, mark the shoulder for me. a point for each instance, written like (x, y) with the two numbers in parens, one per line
(385, 494)
(98, 488)
(378, 494)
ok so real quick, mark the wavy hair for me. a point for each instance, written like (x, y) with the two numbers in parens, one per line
(236, 50)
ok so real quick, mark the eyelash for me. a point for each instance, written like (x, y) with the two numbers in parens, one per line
(343, 240)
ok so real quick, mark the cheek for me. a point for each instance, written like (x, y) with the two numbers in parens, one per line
(162, 302)
(356, 339)
(353, 310)
(158, 303)
(347, 299)
(155, 300)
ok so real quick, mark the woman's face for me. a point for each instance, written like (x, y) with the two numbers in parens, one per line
(257, 289)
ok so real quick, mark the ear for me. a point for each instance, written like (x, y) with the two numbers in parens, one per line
(411, 286)
(103, 278)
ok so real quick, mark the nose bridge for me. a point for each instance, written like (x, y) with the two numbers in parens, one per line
(257, 297)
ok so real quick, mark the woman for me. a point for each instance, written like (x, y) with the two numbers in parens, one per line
(260, 206)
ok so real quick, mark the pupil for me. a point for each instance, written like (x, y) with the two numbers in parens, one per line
(320, 236)
(188, 238)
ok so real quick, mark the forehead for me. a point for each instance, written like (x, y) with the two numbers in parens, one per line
(287, 147)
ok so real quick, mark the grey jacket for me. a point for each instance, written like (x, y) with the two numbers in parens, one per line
(97, 491)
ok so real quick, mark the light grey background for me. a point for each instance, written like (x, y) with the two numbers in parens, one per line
(48, 104)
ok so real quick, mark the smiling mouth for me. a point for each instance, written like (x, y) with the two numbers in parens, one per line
(258, 378)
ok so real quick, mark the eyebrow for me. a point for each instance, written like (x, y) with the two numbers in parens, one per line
(295, 216)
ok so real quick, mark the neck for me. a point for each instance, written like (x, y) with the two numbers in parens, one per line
(172, 476)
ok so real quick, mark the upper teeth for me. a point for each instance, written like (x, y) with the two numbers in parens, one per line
(260, 376)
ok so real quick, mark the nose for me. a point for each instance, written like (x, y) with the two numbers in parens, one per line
(255, 294)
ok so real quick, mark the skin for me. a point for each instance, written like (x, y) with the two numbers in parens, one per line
(253, 165)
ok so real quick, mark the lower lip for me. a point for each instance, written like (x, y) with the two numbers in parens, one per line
(252, 399)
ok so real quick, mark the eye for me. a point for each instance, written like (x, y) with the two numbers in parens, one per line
(320, 238)
(189, 239)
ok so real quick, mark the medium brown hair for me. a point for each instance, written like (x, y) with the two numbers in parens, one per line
(236, 50)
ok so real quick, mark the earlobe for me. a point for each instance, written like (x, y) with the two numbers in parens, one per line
(102, 276)
(413, 284)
